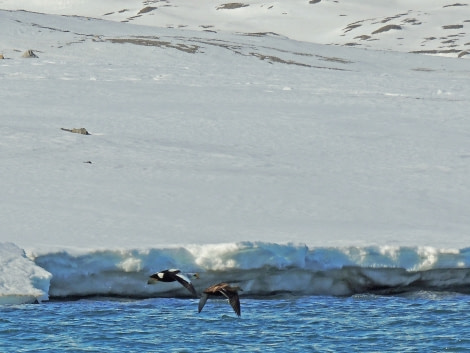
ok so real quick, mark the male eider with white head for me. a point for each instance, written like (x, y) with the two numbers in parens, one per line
(222, 289)
(173, 275)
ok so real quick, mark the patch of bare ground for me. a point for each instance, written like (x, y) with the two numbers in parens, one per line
(275, 59)
(412, 21)
(231, 6)
(253, 51)
(155, 42)
(238, 49)
(334, 59)
(452, 26)
(422, 69)
(436, 51)
(146, 9)
(387, 28)
(388, 19)
(463, 53)
(321, 57)
(457, 4)
(112, 13)
(351, 27)
(261, 34)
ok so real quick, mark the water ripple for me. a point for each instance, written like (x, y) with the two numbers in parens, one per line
(326, 324)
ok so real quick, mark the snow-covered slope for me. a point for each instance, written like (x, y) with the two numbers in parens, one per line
(434, 27)
(220, 135)
(203, 137)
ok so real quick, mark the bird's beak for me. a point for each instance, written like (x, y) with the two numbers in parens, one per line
(196, 275)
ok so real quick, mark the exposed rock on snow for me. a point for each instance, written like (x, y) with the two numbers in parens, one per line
(81, 131)
(29, 54)
(231, 6)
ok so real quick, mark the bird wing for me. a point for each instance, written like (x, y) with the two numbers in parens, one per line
(202, 301)
(185, 282)
(234, 301)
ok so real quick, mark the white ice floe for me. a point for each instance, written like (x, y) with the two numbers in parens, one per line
(21, 280)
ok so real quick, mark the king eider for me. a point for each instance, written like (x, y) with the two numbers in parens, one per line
(173, 275)
(222, 289)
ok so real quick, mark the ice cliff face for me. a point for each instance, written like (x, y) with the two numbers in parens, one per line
(259, 268)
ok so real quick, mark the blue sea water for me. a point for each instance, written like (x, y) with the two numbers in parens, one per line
(417, 322)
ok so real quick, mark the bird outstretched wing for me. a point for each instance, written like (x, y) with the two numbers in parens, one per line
(185, 282)
(203, 301)
(234, 301)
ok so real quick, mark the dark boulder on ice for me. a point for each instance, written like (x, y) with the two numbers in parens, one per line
(81, 131)
(29, 54)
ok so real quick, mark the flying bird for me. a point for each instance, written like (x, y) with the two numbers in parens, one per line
(173, 275)
(222, 289)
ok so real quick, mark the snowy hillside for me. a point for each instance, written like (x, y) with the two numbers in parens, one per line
(212, 137)
(228, 123)
(434, 27)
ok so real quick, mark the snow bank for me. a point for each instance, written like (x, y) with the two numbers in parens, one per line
(21, 281)
(259, 268)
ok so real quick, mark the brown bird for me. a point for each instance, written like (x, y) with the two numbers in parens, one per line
(173, 275)
(222, 289)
